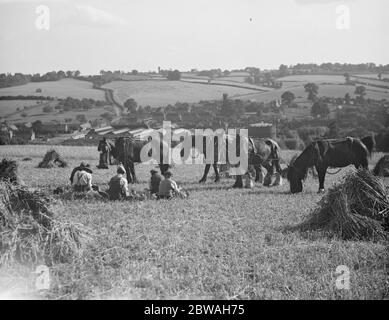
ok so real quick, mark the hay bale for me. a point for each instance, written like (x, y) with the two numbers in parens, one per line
(29, 231)
(52, 159)
(382, 167)
(8, 171)
(357, 208)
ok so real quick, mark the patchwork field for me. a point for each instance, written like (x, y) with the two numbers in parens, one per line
(8, 107)
(218, 243)
(328, 90)
(61, 89)
(162, 93)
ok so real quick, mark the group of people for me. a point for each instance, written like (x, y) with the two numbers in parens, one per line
(81, 181)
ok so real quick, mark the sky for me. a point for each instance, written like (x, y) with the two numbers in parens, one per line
(124, 35)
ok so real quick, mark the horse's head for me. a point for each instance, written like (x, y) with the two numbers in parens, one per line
(295, 180)
(295, 176)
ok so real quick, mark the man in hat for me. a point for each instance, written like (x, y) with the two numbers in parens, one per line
(81, 178)
(154, 182)
(104, 149)
(168, 188)
(118, 185)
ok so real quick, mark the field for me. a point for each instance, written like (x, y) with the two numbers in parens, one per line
(329, 90)
(36, 113)
(61, 89)
(218, 243)
(8, 107)
(162, 93)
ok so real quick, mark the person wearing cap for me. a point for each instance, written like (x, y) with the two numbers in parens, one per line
(168, 187)
(154, 182)
(82, 167)
(81, 178)
(118, 185)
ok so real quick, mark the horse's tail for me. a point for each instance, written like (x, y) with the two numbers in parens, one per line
(369, 142)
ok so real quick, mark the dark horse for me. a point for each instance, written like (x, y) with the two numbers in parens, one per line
(128, 152)
(329, 153)
(261, 153)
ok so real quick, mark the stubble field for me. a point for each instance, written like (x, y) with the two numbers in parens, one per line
(218, 243)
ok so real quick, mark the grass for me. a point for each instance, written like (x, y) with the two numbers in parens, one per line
(162, 93)
(61, 89)
(218, 243)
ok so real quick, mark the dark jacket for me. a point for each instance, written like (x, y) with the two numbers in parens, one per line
(155, 181)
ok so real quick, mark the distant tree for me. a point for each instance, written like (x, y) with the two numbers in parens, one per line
(69, 74)
(320, 108)
(360, 91)
(312, 89)
(379, 76)
(134, 72)
(288, 97)
(333, 131)
(283, 70)
(77, 73)
(347, 99)
(268, 77)
(81, 118)
(174, 75)
(47, 109)
(131, 105)
(147, 109)
(107, 116)
(61, 74)
(347, 77)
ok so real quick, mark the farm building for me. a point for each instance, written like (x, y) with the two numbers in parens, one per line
(262, 130)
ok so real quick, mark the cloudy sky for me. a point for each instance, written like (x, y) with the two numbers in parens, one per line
(90, 35)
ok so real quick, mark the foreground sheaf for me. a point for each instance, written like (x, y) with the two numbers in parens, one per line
(218, 243)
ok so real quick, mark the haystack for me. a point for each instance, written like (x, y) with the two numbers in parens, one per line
(357, 208)
(8, 171)
(382, 167)
(52, 159)
(29, 231)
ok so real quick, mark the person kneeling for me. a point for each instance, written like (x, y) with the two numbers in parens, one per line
(168, 188)
(118, 186)
(81, 179)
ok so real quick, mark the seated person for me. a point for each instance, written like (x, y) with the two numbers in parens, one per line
(168, 187)
(154, 182)
(82, 180)
(118, 186)
(82, 167)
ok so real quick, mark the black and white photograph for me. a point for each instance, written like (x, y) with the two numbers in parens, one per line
(194, 155)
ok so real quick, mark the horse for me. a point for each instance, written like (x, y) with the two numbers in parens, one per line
(261, 153)
(329, 153)
(128, 152)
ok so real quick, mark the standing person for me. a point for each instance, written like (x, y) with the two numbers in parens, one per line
(168, 188)
(104, 154)
(154, 182)
(118, 185)
(82, 180)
